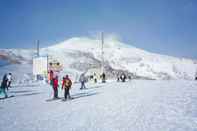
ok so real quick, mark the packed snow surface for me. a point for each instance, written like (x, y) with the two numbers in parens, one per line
(132, 106)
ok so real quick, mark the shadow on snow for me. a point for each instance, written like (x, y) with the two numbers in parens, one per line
(81, 95)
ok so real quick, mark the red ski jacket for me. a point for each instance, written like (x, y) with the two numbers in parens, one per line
(55, 83)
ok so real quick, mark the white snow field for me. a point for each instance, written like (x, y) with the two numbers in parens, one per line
(132, 106)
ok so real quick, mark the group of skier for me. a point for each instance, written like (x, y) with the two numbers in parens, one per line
(66, 85)
(6, 84)
(122, 77)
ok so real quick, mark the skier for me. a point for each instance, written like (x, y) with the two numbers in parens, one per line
(55, 87)
(4, 86)
(103, 77)
(82, 79)
(66, 85)
(91, 77)
(9, 78)
(196, 76)
(118, 79)
(51, 77)
(95, 78)
(129, 77)
(123, 77)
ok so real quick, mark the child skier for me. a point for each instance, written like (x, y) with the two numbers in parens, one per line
(66, 85)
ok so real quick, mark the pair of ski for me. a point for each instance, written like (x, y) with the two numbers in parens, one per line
(67, 99)
(7, 97)
(62, 99)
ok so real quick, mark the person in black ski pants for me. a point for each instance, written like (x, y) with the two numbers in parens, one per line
(66, 85)
(4, 86)
(82, 79)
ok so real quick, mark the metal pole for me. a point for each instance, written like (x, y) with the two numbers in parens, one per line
(47, 63)
(102, 51)
(38, 48)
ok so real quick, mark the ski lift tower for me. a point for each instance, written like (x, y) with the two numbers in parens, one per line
(40, 64)
(102, 52)
(38, 48)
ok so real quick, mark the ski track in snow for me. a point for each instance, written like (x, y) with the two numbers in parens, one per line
(132, 106)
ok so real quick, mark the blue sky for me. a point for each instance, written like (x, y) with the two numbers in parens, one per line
(160, 26)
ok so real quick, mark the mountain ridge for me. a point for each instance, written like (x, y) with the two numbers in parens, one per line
(83, 52)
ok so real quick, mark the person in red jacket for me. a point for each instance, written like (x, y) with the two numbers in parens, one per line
(66, 85)
(55, 87)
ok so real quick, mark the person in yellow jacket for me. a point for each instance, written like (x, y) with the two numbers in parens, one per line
(66, 85)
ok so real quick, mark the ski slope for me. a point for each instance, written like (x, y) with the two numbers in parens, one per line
(132, 106)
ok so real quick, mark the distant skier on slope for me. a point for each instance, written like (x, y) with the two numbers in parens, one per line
(66, 85)
(4, 86)
(118, 78)
(103, 77)
(55, 87)
(82, 79)
(129, 77)
(196, 76)
(95, 78)
(123, 77)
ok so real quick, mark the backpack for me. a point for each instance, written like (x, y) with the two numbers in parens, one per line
(68, 83)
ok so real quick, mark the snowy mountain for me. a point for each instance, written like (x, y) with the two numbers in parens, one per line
(83, 54)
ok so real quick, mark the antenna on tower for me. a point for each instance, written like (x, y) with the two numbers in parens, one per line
(38, 48)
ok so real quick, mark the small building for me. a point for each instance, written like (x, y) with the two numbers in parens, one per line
(40, 67)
